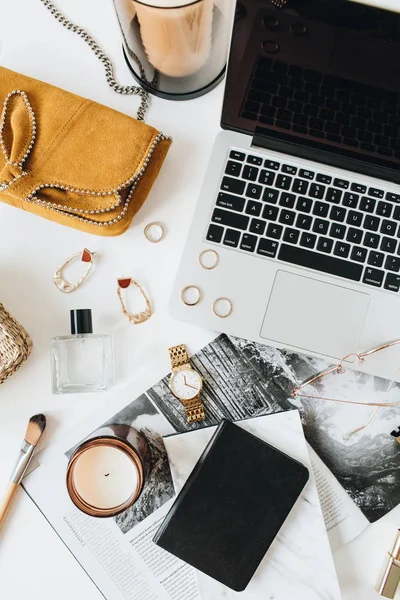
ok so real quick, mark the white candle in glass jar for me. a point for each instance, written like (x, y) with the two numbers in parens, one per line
(105, 477)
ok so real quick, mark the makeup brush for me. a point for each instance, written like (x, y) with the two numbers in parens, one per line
(34, 432)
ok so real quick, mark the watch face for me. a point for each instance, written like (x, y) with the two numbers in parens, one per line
(185, 384)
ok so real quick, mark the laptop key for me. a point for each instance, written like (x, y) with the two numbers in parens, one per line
(371, 223)
(270, 195)
(287, 200)
(215, 233)
(393, 197)
(232, 202)
(354, 235)
(320, 262)
(237, 155)
(371, 240)
(306, 174)
(392, 263)
(270, 213)
(388, 245)
(375, 259)
(236, 186)
(304, 222)
(357, 187)
(274, 231)
(337, 231)
(291, 235)
(233, 168)
(325, 245)
(250, 173)
(289, 169)
(384, 209)
(392, 282)
(320, 209)
(254, 160)
(367, 204)
(373, 277)
(359, 254)
(375, 193)
(354, 218)
(223, 217)
(341, 249)
(308, 240)
(388, 227)
(248, 242)
(253, 191)
(338, 214)
(350, 200)
(321, 226)
(304, 204)
(267, 247)
(396, 214)
(333, 195)
(283, 182)
(317, 191)
(253, 208)
(232, 238)
(271, 164)
(341, 183)
(287, 217)
(266, 177)
(300, 186)
(257, 226)
(327, 179)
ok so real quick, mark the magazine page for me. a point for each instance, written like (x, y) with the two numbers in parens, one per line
(241, 380)
(343, 519)
(118, 553)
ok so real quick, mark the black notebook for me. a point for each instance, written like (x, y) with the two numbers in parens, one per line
(232, 506)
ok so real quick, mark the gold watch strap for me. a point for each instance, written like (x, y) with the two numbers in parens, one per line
(178, 356)
(194, 410)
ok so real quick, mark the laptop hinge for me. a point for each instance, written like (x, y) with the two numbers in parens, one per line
(267, 139)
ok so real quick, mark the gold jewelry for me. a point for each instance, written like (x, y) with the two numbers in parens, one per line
(197, 298)
(181, 369)
(158, 232)
(140, 317)
(87, 257)
(219, 313)
(210, 253)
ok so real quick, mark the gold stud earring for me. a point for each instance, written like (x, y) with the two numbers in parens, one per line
(65, 286)
(140, 317)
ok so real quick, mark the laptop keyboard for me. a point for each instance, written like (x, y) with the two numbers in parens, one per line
(309, 219)
(319, 105)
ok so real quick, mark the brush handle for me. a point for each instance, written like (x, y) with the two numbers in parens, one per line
(7, 499)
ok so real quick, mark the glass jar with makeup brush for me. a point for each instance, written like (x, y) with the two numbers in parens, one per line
(176, 49)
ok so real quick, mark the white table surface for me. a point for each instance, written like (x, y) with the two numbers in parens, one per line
(33, 561)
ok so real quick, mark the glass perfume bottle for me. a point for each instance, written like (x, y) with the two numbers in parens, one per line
(82, 361)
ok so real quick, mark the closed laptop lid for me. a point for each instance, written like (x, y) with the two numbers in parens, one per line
(318, 75)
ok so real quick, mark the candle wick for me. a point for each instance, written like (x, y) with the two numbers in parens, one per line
(106, 474)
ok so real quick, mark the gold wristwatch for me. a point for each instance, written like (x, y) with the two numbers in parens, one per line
(186, 384)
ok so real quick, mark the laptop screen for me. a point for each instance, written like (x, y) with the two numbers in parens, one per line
(319, 74)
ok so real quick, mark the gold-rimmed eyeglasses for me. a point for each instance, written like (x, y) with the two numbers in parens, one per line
(298, 392)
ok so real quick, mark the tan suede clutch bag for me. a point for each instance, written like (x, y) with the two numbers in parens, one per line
(72, 160)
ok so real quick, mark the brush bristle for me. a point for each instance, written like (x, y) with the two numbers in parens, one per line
(36, 426)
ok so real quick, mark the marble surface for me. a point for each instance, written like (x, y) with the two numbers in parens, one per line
(299, 563)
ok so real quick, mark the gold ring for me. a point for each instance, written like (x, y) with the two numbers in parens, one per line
(190, 287)
(223, 315)
(155, 225)
(208, 251)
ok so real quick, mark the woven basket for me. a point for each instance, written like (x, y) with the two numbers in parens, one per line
(15, 345)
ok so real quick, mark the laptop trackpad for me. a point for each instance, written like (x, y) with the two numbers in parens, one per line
(315, 316)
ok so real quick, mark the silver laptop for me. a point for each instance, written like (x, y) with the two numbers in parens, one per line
(301, 197)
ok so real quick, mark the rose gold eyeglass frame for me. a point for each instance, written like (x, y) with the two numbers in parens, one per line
(297, 392)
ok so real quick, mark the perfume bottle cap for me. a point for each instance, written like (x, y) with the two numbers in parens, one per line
(81, 321)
